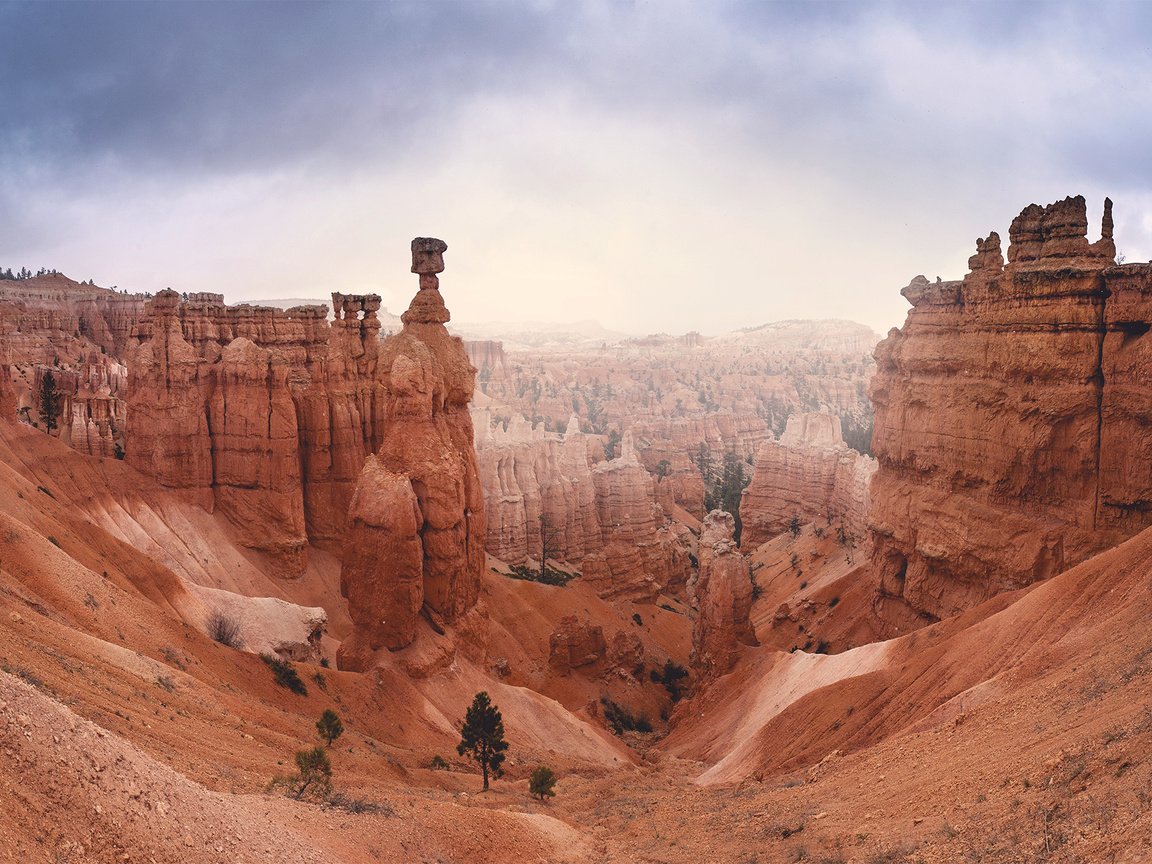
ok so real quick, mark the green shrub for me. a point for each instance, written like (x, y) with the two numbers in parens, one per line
(329, 726)
(542, 783)
(285, 674)
(620, 719)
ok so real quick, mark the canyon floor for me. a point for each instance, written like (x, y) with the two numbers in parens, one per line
(1019, 731)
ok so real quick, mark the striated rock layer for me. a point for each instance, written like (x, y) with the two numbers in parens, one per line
(809, 474)
(266, 414)
(724, 599)
(544, 490)
(1012, 430)
(416, 542)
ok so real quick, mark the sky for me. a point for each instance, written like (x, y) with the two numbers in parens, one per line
(655, 166)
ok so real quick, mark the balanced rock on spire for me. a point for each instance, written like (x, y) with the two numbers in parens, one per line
(416, 525)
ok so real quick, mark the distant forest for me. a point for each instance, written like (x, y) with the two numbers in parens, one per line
(25, 273)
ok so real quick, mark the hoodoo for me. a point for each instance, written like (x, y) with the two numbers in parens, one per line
(416, 524)
(724, 597)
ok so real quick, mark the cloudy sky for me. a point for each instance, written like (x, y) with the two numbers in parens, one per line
(657, 166)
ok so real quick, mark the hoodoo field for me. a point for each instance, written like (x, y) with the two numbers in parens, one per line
(790, 593)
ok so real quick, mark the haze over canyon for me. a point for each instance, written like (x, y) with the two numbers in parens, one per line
(789, 593)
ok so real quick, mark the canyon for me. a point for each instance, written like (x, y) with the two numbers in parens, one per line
(736, 620)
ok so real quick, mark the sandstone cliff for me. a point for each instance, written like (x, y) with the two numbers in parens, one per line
(266, 414)
(1012, 441)
(641, 552)
(543, 488)
(723, 597)
(417, 533)
(809, 474)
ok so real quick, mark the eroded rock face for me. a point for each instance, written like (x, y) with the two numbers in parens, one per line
(604, 517)
(1011, 433)
(724, 599)
(266, 414)
(640, 553)
(575, 643)
(809, 474)
(429, 558)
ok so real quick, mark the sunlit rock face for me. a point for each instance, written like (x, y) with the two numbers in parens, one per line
(416, 542)
(1011, 428)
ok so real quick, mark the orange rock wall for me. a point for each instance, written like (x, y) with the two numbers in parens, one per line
(1011, 423)
(266, 414)
(809, 474)
(603, 517)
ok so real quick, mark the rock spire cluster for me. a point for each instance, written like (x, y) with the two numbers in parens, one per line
(415, 544)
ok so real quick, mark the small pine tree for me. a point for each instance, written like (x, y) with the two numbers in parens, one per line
(542, 783)
(315, 772)
(482, 736)
(49, 401)
(329, 726)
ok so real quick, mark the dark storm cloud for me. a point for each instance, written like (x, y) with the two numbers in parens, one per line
(207, 87)
(234, 87)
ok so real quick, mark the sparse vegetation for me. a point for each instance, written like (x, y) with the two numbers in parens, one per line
(49, 401)
(225, 629)
(358, 806)
(285, 674)
(637, 620)
(313, 775)
(620, 719)
(545, 576)
(438, 763)
(671, 676)
(542, 783)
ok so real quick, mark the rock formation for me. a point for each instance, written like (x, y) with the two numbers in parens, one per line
(416, 544)
(1012, 439)
(488, 357)
(536, 482)
(266, 414)
(93, 412)
(809, 474)
(641, 553)
(724, 599)
(575, 643)
(604, 517)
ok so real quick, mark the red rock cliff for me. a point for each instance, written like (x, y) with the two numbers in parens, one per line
(809, 474)
(266, 414)
(1011, 425)
(417, 523)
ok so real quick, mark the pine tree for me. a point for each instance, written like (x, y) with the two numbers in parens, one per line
(329, 726)
(49, 401)
(315, 772)
(542, 783)
(482, 736)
